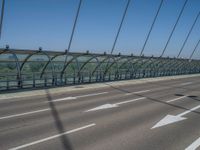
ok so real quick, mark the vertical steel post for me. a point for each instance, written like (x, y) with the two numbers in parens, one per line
(33, 80)
(7, 83)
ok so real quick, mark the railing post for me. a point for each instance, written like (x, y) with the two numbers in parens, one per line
(74, 80)
(65, 79)
(33, 80)
(82, 78)
(97, 76)
(7, 83)
(90, 78)
(61, 80)
(45, 81)
(19, 82)
(55, 80)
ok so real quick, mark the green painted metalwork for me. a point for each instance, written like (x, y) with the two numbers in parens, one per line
(33, 68)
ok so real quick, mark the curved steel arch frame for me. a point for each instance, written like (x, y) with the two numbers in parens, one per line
(69, 62)
(153, 65)
(115, 61)
(19, 80)
(143, 62)
(99, 65)
(27, 58)
(167, 65)
(131, 68)
(93, 57)
(127, 67)
(50, 61)
(84, 64)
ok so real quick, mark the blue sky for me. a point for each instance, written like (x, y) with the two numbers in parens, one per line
(29, 24)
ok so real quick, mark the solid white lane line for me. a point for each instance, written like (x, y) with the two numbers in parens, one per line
(176, 99)
(94, 94)
(186, 83)
(75, 97)
(194, 145)
(23, 114)
(42, 110)
(133, 100)
(62, 99)
(51, 137)
(56, 100)
(138, 92)
(189, 111)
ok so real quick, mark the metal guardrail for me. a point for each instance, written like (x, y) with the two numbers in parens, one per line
(36, 82)
(33, 69)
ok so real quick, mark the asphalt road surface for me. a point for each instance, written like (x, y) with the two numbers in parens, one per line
(163, 115)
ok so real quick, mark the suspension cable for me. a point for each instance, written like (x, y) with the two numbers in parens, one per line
(72, 34)
(194, 49)
(74, 26)
(2, 15)
(190, 31)
(119, 29)
(149, 33)
(172, 32)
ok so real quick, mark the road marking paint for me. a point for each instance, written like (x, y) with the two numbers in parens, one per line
(187, 83)
(43, 110)
(176, 99)
(133, 100)
(189, 111)
(194, 145)
(52, 137)
(62, 99)
(23, 114)
(75, 97)
(107, 106)
(144, 91)
(94, 94)
(169, 119)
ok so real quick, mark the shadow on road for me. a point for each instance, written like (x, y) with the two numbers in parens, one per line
(194, 97)
(58, 123)
(163, 102)
(117, 88)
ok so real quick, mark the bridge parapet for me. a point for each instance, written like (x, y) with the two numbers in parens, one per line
(34, 68)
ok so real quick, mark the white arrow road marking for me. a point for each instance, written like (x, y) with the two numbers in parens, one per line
(51, 137)
(176, 99)
(194, 145)
(72, 98)
(107, 106)
(187, 83)
(169, 119)
(144, 91)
